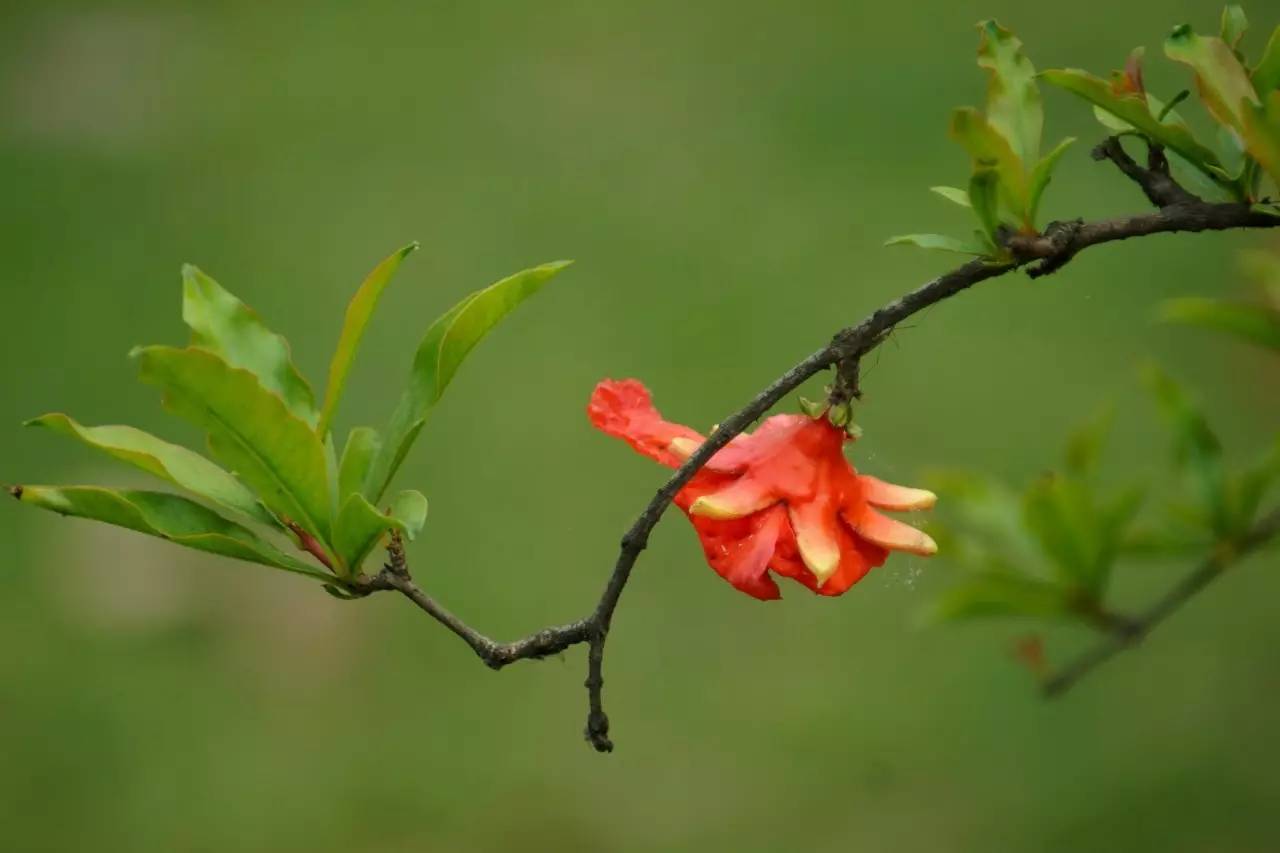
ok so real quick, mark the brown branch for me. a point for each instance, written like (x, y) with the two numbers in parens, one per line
(1156, 182)
(1039, 254)
(1136, 629)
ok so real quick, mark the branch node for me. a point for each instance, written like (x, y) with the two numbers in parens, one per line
(1155, 180)
(397, 561)
(634, 541)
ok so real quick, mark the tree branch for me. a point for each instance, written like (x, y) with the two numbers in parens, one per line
(1038, 254)
(1135, 630)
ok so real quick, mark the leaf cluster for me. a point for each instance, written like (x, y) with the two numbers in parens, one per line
(273, 488)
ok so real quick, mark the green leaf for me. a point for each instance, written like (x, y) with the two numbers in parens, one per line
(227, 327)
(359, 313)
(984, 190)
(989, 533)
(1220, 78)
(953, 194)
(1084, 446)
(1167, 110)
(999, 594)
(1261, 134)
(360, 526)
(1266, 74)
(990, 150)
(1196, 447)
(939, 242)
(1234, 25)
(441, 353)
(363, 446)
(1254, 323)
(1133, 109)
(250, 431)
(1058, 512)
(165, 516)
(170, 462)
(1252, 486)
(1042, 174)
(1013, 99)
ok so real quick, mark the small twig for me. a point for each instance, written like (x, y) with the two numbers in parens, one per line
(1156, 182)
(1139, 627)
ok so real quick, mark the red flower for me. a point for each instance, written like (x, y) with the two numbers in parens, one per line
(783, 498)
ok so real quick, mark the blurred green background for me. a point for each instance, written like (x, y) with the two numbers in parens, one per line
(724, 173)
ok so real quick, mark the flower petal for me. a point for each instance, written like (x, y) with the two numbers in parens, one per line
(741, 497)
(857, 557)
(751, 448)
(624, 409)
(884, 495)
(745, 562)
(817, 530)
(889, 533)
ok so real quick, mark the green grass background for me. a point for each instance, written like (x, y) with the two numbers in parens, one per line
(724, 173)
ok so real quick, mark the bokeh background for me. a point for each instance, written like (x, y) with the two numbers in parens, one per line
(724, 173)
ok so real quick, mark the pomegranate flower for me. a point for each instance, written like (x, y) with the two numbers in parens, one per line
(783, 498)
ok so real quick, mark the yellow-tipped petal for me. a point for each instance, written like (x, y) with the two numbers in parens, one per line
(884, 495)
(894, 535)
(684, 447)
(741, 497)
(817, 538)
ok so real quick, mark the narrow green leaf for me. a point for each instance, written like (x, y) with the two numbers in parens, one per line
(165, 516)
(953, 194)
(1013, 99)
(359, 313)
(441, 353)
(1254, 323)
(170, 462)
(1252, 486)
(988, 149)
(227, 327)
(360, 526)
(984, 192)
(363, 446)
(1220, 78)
(1134, 110)
(1266, 74)
(250, 431)
(1115, 521)
(999, 594)
(1196, 447)
(1234, 25)
(1042, 174)
(939, 242)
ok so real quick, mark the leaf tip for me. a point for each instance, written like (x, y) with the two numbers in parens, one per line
(16, 492)
(408, 250)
